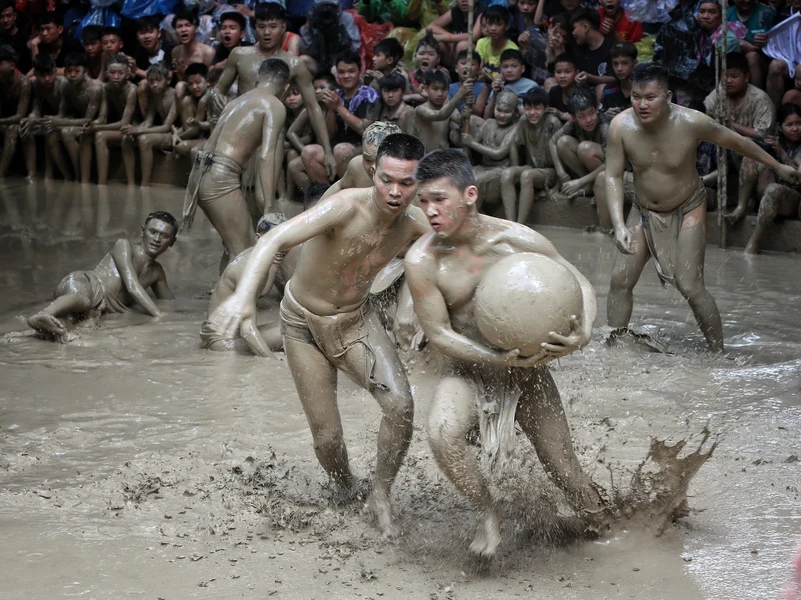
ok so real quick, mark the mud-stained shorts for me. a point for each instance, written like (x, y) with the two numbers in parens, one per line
(212, 177)
(548, 174)
(350, 341)
(90, 285)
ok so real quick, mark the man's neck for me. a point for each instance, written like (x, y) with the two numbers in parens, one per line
(393, 110)
(738, 98)
(350, 93)
(568, 90)
(267, 51)
(595, 39)
(468, 232)
(190, 46)
(745, 16)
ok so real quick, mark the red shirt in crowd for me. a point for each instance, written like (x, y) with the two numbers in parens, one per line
(629, 31)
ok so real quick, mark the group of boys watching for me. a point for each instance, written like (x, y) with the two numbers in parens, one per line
(563, 66)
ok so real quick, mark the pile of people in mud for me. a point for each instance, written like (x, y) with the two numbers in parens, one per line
(406, 207)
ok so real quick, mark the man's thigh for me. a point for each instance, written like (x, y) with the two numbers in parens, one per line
(453, 409)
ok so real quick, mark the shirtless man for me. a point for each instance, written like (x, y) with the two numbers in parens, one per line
(154, 132)
(493, 140)
(15, 97)
(46, 89)
(120, 280)
(250, 125)
(360, 170)
(119, 102)
(433, 118)
(443, 270)
(243, 66)
(326, 322)
(668, 220)
(185, 22)
(80, 103)
(195, 124)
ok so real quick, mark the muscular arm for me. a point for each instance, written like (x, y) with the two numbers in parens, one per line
(273, 128)
(188, 111)
(615, 166)
(292, 133)
(122, 253)
(226, 80)
(160, 288)
(169, 120)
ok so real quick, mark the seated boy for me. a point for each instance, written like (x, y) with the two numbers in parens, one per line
(480, 88)
(195, 126)
(565, 75)
(14, 101)
(394, 109)
(232, 30)
(161, 115)
(510, 79)
(91, 36)
(432, 119)
(387, 54)
(426, 57)
(495, 22)
(51, 40)
(592, 51)
(46, 89)
(616, 97)
(578, 148)
(354, 109)
(120, 280)
(111, 44)
(185, 22)
(615, 25)
(536, 172)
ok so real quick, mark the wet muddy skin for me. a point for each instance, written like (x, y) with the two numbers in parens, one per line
(134, 464)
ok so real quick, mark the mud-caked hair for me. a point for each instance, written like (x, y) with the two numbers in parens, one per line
(537, 97)
(450, 163)
(75, 59)
(648, 72)
(401, 146)
(44, 63)
(276, 69)
(506, 96)
(158, 70)
(163, 215)
(436, 77)
(117, 59)
(377, 132)
(581, 99)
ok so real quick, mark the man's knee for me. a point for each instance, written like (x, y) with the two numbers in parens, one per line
(778, 67)
(768, 207)
(507, 177)
(326, 438)
(621, 281)
(101, 138)
(590, 150)
(566, 143)
(312, 153)
(344, 152)
(527, 178)
(690, 282)
(443, 436)
(144, 143)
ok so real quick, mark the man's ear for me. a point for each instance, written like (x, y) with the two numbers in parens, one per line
(471, 193)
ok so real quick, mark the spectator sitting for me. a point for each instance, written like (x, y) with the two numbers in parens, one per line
(592, 53)
(511, 79)
(616, 97)
(14, 35)
(450, 30)
(91, 38)
(151, 48)
(231, 34)
(328, 32)
(565, 75)
(51, 40)
(757, 18)
(615, 25)
(426, 57)
(387, 54)
(394, 109)
(480, 89)
(496, 22)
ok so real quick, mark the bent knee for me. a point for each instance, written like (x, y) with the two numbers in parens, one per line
(443, 437)
(566, 142)
(779, 67)
(312, 153)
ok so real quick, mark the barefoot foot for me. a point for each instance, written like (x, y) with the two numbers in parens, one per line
(378, 504)
(488, 536)
(50, 326)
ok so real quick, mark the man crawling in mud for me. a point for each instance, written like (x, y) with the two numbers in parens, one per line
(119, 281)
(326, 322)
(443, 270)
(668, 219)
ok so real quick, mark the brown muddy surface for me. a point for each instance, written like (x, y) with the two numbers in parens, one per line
(135, 465)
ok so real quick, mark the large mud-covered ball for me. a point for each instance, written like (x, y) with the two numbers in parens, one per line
(524, 297)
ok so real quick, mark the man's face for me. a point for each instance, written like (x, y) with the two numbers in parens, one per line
(649, 100)
(426, 57)
(709, 16)
(392, 98)
(157, 237)
(512, 70)
(320, 86)
(93, 48)
(293, 99)
(117, 74)
(534, 112)
(437, 93)
(348, 75)
(461, 68)
(444, 205)
(230, 34)
(50, 32)
(395, 184)
(185, 30)
(463, 5)
(112, 44)
(270, 33)
(526, 7)
(505, 112)
(587, 119)
(8, 18)
(496, 29)
(157, 84)
(368, 158)
(197, 85)
(565, 74)
(74, 74)
(580, 30)
(46, 79)
(149, 38)
(623, 66)
(736, 82)
(610, 6)
(381, 61)
(6, 68)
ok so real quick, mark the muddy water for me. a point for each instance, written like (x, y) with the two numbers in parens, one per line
(133, 464)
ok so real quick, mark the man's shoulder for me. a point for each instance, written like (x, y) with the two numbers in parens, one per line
(758, 95)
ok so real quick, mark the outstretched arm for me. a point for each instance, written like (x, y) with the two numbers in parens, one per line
(496, 153)
(122, 253)
(615, 165)
(427, 114)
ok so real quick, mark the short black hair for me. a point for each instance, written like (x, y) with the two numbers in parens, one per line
(512, 54)
(650, 71)
(5, 4)
(44, 63)
(111, 31)
(450, 163)
(624, 50)
(116, 59)
(327, 77)
(232, 15)
(565, 57)
(391, 48)
(349, 57)
(75, 59)
(276, 68)
(536, 97)
(269, 11)
(462, 54)
(496, 14)
(429, 41)
(146, 23)
(737, 60)
(8, 54)
(586, 15)
(393, 81)
(401, 146)
(581, 99)
(186, 14)
(91, 33)
(163, 215)
(159, 69)
(434, 76)
(197, 68)
(51, 17)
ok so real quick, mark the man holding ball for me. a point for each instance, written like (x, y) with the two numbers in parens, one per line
(480, 383)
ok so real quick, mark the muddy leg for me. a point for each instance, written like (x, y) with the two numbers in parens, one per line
(85, 146)
(599, 189)
(102, 140)
(568, 148)
(230, 216)
(779, 200)
(53, 141)
(625, 274)
(530, 181)
(509, 177)
(129, 159)
(749, 176)
(453, 414)
(690, 277)
(146, 144)
(10, 138)
(316, 382)
(29, 153)
(313, 163)
(73, 296)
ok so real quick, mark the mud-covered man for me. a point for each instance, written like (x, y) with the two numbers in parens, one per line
(668, 220)
(327, 324)
(119, 281)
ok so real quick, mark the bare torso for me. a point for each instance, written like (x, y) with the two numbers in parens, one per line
(536, 138)
(9, 95)
(117, 99)
(248, 60)
(336, 268)
(163, 104)
(49, 98)
(78, 97)
(434, 134)
(147, 271)
(493, 135)
(357, 173)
